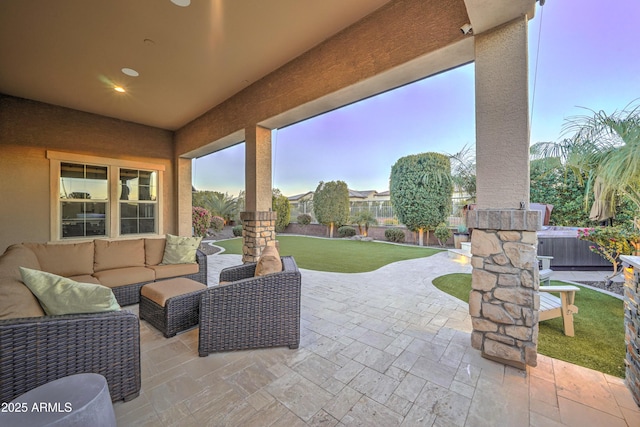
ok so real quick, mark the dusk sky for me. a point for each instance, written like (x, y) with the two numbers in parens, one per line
(588, 58)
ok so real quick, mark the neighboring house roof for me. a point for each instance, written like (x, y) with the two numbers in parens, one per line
(356, 194)
(353, 194)
(298, 197)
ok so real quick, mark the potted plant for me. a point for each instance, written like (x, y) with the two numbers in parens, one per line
(461, 235)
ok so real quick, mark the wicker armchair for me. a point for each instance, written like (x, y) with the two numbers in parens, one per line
(251, 312)
(37, 350)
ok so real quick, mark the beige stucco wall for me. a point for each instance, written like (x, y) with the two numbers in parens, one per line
(502, 116)
(28, 129)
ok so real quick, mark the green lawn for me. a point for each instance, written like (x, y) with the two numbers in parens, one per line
(599, 327)
(337, 255)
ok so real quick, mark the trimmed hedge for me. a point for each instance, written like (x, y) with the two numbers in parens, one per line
(394, 235)
(304, 219)
(346, 231)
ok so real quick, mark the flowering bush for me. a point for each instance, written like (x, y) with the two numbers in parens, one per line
(217, 223)
(201, 219)
(611, 242)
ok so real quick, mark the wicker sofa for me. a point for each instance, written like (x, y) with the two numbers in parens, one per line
(122, 265)
(251, 312)
(36, 348)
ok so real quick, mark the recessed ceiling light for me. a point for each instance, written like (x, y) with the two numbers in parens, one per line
(181, 3)
(130, 72)
(119, 89)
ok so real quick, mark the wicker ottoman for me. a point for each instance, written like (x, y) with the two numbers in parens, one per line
(172, 305)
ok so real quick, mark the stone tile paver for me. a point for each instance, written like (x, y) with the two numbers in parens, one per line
(383, 348)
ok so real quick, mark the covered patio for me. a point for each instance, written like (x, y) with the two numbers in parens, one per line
(382, 348)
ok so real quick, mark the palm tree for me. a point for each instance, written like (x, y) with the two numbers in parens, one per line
(463, 172)
(365, 219)
(606, 148)
(223, 205)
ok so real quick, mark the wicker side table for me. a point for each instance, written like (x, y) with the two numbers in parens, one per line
(172, 305)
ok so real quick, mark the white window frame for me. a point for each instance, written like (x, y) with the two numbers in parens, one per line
(113, 205)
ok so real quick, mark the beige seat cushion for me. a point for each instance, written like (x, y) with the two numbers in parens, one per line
(154, 250)
(111, 254)
(269, 262)
(160, 292)
(64, 259)
(16, 300)
(84, 278)
(174, 270)
(125, 276)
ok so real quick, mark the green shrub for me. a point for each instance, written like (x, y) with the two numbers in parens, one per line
(394, 235)
(462, 229)
(346, 231)
(237, 230)
(217, 223)
(443, 233)
(282, 207)
(304, 219)
(200, 219)
(390, 221)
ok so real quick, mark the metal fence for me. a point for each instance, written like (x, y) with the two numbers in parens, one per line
(381, 210)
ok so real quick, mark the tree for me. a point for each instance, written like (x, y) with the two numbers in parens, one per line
(222, 205)
(555, 184)
(421, 188)
(365, 219)
(552, 183)
(280, 204)
(603, 147)
(463, 172)
(331, 204)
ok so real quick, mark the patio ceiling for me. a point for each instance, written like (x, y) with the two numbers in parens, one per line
(70, 53)
(190, 59)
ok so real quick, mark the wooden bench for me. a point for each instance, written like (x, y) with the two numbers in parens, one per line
(551, 306)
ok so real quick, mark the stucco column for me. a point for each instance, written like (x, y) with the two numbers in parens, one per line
(504, 301)
(258, 219)
(257, 173)
(184, 196)
(502, 117)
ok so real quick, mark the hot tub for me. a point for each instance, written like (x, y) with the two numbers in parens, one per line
(567, 251)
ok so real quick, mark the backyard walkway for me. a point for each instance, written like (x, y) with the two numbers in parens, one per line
(377, 349)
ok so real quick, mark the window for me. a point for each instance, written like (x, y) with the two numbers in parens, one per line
(138, 199)
(103, 197)
(84, 198)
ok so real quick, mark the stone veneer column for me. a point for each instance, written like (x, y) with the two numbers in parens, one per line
(632, 324)
(504, 301)
(258, 229)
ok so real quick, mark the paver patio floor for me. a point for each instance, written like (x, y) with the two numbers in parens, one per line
(382, 348)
